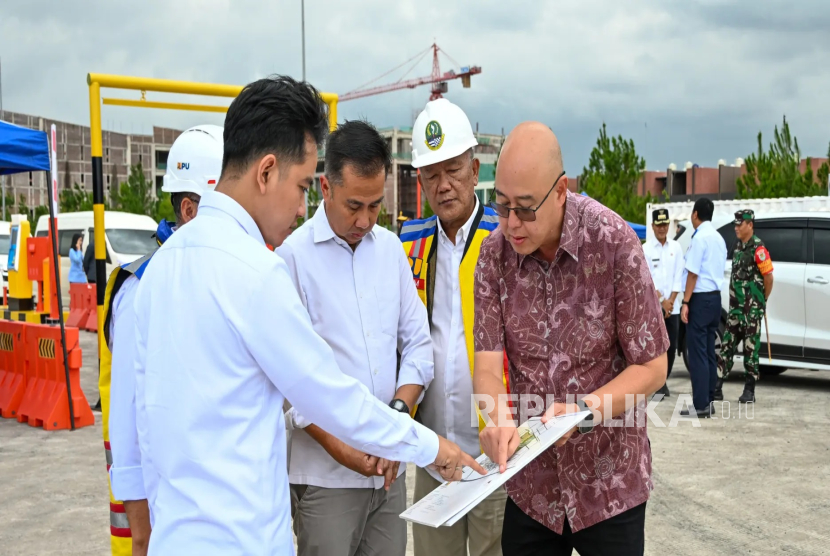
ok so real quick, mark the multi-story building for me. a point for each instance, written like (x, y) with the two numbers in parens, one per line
(120, 151)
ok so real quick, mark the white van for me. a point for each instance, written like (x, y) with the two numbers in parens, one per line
(129, 237)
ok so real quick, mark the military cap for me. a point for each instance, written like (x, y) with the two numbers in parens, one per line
(660, 216)
(745, 215)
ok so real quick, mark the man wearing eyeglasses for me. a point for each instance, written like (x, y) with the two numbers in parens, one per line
(443, 252)
(564, 288)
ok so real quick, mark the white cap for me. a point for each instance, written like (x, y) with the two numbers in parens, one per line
(195, 161)
(441, 132)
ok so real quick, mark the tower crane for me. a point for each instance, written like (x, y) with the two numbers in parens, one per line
(437, 79)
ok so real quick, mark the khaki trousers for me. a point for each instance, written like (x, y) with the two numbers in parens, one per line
(480, 530)
(349, 521)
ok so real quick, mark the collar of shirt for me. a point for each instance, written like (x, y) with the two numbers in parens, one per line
(322, 228)
(465, 229)
(703, 227)
(219, 204)
(569, 241)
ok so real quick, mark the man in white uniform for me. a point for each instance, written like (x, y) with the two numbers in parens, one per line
(353, 276)
(665, 261)
(212, 376)
(194, 165)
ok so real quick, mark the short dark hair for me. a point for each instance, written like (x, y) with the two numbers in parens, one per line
(274, 115)
(704, 208)
(176, 200)
(358, 144)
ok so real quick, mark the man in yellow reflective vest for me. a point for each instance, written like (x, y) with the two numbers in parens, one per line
(443, 252)
(193, 167)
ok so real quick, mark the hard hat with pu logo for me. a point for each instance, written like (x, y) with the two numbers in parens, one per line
(441, 132)
(195, 161)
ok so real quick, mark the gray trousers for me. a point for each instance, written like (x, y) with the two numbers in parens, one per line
(479, 530)
(349, 521)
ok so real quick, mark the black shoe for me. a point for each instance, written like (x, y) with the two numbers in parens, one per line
(665, 391)
(749, 391)
(719, 390)
(701, 413)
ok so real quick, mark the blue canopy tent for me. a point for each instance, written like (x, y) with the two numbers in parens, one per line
(22, 149)
(27, 150)
(639, 229)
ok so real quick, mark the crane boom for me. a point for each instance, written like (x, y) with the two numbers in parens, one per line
(438, 79)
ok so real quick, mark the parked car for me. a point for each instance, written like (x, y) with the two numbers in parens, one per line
(129, 237)
(799, 245)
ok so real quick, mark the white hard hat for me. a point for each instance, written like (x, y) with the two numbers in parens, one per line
(442, 131)
(195, 161)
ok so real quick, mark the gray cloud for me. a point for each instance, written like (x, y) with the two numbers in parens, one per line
(686, 80)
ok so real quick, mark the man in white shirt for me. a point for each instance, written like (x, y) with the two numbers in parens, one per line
(223, 340)
(355, 281)
(444, 252)
(665, 261)
(701, 311)
(200, 148)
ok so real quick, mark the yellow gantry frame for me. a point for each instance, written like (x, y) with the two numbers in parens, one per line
(96, 81)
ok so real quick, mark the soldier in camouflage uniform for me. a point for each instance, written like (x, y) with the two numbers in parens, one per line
(749, 290)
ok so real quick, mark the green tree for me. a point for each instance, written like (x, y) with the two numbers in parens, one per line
(427, 212)
(9, 207)
(313, 198)
(776, 173)
(75, 199)
(22, 207)
(163, 208)
(134, 195)
(40, 210)
(612, 175)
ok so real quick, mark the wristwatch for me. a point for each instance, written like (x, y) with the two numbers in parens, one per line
(587, 424)
(399, 405)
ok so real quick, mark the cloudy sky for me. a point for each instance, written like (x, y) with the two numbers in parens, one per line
(687, 80)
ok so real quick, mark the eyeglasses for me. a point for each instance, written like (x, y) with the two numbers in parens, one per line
(525, 214)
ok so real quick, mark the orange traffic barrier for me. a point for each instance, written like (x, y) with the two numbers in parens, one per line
(45, 401)
(12, 367)
(78, 306)
(91, 302)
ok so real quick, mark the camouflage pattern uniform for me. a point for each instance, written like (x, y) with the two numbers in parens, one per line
(750, 263)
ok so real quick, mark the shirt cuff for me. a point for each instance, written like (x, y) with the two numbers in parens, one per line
(294, 421)
(428, 446)
(416, 372)
(127, 483)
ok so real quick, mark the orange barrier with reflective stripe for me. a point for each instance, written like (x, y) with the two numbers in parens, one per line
(12, 367)
(91, 301)
(44, 400)
(79, 308)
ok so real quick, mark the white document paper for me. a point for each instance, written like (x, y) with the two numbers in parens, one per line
(451, 501)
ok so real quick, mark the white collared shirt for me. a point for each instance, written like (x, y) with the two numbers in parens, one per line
(665, 262)
(364, 304)
(222, 339)
(706, 257)
(125, 472)
(446, 408)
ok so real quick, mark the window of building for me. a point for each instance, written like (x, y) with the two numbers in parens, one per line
(82, 179)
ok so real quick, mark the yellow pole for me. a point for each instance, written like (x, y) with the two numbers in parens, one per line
(331, 100)
(98, 204)
(164, 105)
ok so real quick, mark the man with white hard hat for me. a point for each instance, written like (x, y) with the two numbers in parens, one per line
(443, 251)
(193, 167)
(209, 399)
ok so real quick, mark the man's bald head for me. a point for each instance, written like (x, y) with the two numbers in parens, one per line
(530, 176)
(531, 146)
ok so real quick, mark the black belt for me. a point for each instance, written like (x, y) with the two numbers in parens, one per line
(716, 292)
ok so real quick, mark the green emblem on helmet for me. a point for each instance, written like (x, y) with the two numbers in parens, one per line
(434, 136)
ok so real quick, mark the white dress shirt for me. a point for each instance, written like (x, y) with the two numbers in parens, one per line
(364, 304)
(706, 257)
(222, 339)
(446, 408)
(125, 472)
(665, 261)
